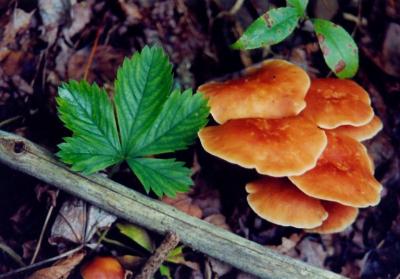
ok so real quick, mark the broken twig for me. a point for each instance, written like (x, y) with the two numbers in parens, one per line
(160, 255)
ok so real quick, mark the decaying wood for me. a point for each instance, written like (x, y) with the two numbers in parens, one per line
(27, 157)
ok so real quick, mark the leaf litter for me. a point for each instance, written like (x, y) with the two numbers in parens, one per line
(196, 36)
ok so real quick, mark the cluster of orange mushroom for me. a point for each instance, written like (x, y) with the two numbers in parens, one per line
(303, 136)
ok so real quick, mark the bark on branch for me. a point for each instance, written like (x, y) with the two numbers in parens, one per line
(170, 241)
(27, 157)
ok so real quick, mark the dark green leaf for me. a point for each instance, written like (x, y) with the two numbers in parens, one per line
(87, 111)
(162, 176)
(152, 120)
(338, 48)
(269, 29)
(86, 154)
(176, 126)
(143, 84)
(299, 5)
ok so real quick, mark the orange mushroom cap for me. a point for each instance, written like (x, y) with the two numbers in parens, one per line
(275, 147)
(103, 268)
(275, 89)
(277, 200)
(335, 102)
(361, 133)
(343, 174)
(339, 218)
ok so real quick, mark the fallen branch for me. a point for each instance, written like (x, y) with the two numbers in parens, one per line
(27, 157)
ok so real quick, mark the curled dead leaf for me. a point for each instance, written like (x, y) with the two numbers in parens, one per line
(61, 269)
(77, 222)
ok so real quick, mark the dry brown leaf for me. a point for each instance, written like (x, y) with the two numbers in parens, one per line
(105, 62)
(61, 269)
(218, 267)
(78, 221)
(184, 203)
(132, 11)
(22, 214)
(81, 14)
(19, 22)
(28, 248)
(53, 14)
(351, 269)
(387, 58)
(288, 244)
(391, 50)
(207, 198)
(131, 262)
(218, 220)
(326, 9)
(45, 192)
(312, 252)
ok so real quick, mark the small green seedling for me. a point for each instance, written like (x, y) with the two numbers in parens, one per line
(338, 47)
(142, 238)
(145, 117)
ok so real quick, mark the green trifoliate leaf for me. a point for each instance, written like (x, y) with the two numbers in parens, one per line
(143, 84)
(87, 111)
(299, 5)
(162, 176)
(338, 48)
(176, 126)
(269, 29)
(151, 121)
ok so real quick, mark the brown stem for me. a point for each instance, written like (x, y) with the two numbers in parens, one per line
(170, 241)
(46, 222)
(92, 53)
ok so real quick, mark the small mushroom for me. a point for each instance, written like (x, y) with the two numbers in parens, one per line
(343, 174)
(275, 89)
(339, 218)
(103, 268)
(361, 133)
(335, 102)
(279, 201)
(275, 147)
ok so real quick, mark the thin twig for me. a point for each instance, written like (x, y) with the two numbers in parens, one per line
(9, 120)
(46, 222)
(12, 254)
(39, 264)
(359, 19)
(92, 53)
(170, 241)
(102, 235)
(231, 12)
(118, 244)
(236, 7)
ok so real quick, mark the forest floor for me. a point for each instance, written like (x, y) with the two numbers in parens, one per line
(43, 43)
